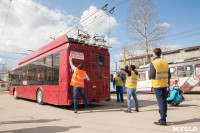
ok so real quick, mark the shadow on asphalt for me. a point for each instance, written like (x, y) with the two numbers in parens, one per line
(193, 120)
(110, 106)
(42, 129)
(29, 121)
(186, 105)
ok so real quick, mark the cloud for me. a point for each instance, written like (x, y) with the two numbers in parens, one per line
(113, 40)
(165, 24)
(30, 24)
(1, 60)
(94, 21)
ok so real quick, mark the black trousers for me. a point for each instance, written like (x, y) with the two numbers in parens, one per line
(161, 96)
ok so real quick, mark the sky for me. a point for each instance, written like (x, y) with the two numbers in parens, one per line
(31, 23)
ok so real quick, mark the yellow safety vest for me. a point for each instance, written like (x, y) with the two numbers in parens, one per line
(131, 81)
(162, 69)
(118, 81)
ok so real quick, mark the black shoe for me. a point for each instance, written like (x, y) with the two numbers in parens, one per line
(127, 111)
(161, 124)
(117, 102)
(75, 111)
(136, 110)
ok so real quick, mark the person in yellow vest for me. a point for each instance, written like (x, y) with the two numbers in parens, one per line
(160, 77)
(118, 82)
(77, 81)
(131, 84)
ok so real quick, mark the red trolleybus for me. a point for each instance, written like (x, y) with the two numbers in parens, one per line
(45, 74)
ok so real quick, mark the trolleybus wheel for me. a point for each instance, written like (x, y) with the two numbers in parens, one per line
(39, 96)
(15, 94)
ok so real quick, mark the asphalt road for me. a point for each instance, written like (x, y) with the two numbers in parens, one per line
(25, 116)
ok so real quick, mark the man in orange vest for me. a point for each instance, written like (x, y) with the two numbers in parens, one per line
(78, 82)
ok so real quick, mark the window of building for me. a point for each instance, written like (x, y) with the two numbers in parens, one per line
(197, 69)
(3, 85)
(142, 76)
(173, 72)
(185, 71)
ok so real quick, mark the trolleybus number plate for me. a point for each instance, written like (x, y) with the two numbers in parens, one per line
(77, 55)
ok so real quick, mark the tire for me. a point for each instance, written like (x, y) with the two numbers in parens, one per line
(39, 97)
(176, 104)
(15, 94)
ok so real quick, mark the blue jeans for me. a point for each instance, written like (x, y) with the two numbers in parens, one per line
(132, 92)
(161, 96)
(119, 90)
(81, 90)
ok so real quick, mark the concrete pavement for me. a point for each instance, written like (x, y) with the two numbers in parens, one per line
(25, 116)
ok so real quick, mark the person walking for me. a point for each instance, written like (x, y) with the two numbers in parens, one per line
(160, 77)
(118, 82)
(77, 82)
(131, 84)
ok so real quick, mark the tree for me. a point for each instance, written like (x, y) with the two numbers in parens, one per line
(3, 72)
(145, 30)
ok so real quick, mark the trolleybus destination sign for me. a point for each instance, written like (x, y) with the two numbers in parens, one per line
(77, 55)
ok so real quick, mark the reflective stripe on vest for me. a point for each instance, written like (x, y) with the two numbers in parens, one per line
(161, 78)
(131, 82)
(78, 78)
(118, 81)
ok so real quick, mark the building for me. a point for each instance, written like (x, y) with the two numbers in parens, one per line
(3, 85)
(172, 56)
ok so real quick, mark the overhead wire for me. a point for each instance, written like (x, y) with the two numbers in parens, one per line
(5, 21)
(184, 32)
(180, 37)
(8, 57)
(84, 19)
(109, 11)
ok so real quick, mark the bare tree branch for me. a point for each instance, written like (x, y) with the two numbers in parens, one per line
(141, 23)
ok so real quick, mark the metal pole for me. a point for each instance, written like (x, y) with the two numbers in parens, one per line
(124, 58)
(116, 66)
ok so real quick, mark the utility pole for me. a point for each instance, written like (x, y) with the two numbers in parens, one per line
(8, 78)
(116, 66)
(124, 58)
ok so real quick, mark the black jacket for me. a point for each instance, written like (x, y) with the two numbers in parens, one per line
(129, 72)
(152, 73)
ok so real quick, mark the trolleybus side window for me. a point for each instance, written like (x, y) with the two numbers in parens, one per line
(44, 71)
(56, 61)
(185, 71)
(197, 69)
(173, 72)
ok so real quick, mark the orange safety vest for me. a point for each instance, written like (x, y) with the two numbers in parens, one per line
(78, 78)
